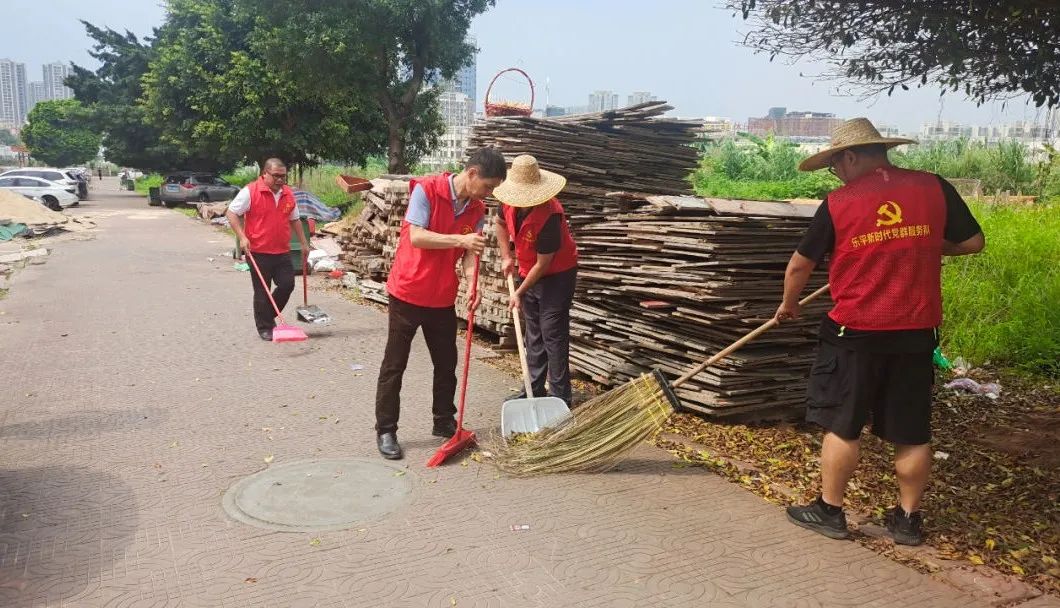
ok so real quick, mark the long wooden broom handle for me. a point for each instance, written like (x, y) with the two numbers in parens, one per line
(739, 343)
(519, 342)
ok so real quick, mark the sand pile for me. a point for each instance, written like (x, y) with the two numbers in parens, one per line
(21, 210)
(17, 208)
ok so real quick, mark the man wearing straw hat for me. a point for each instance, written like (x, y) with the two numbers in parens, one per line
(885, 231)
(443, 225)
(547, 259)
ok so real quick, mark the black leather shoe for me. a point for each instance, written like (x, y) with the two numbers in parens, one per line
(266, 334)
(388, 446)
(444, 427)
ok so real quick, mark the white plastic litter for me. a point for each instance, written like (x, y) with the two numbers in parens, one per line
(990, 390)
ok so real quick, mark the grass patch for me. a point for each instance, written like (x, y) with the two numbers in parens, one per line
(188, 211)
(3, 292)
(1000, 305)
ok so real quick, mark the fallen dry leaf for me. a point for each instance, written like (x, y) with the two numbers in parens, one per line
(268, 458)
(315, 542)
(250, 579)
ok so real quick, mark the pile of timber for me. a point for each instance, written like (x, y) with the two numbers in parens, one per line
(365, 239)
(634, 149)
(678, 279)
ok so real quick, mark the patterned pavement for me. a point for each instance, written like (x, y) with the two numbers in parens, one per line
(137, 392)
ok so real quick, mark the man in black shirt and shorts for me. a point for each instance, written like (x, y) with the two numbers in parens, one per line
(885, 232)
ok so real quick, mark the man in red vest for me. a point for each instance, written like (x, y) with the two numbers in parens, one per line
(532, 219)
(885, 230)
(263, 214)
(442, 226)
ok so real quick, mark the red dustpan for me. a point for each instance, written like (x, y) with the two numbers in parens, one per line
(463, 438)
(282, 332)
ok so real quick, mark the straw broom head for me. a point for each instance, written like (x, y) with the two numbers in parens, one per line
(596, 436)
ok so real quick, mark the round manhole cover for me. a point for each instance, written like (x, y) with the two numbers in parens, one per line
(318, 495)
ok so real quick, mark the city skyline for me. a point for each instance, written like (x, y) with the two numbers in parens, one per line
(694, 62)
(18, 94)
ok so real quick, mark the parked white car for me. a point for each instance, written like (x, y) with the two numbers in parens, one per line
(52, 195)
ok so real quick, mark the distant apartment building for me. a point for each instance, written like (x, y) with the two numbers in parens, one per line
(602, 101)
(783, 123)
(1026, 132)
(716, 128)
(555, 111)
(458, 114)
(638, 97)
(35, 94)
(54, 81)
(13, 106)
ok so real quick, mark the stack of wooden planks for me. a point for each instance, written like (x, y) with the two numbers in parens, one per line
(680, 278)
(369, 240)
(634, 149)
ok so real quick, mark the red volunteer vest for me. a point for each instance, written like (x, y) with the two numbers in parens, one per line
(427, 277)
(526, 239)
(886, 268)
(267, 224)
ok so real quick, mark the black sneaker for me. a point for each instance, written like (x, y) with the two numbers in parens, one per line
(814, 517)
(907, 529)
(444, 427)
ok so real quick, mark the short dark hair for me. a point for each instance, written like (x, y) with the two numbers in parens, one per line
(273, 163)
(489, 161)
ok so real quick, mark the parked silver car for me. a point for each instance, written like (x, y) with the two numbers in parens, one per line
(185, 188)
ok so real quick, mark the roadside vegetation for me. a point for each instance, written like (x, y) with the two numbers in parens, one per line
(999, 303)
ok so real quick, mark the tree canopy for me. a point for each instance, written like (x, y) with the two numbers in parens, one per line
(59, 133)
(211, 90)
(383, 51)
(987, 50)
(111, 97)
(8, 138)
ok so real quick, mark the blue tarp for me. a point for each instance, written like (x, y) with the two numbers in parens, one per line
(311, 206)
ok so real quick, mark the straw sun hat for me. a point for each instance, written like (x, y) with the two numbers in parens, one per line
(528, 185)
(854, 132)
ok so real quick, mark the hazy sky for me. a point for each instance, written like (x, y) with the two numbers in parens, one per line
(685, 51)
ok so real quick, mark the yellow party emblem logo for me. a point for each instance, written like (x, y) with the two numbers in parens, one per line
(890, 214)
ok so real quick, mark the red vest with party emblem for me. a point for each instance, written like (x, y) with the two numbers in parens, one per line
(267, 223)
(885, 271)
(526, 238)
(427, 277)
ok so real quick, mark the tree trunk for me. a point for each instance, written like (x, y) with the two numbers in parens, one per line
(396, 148)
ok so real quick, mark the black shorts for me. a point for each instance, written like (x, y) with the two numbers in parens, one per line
(848, 388)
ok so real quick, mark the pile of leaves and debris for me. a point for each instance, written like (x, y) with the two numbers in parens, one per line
(994, 497)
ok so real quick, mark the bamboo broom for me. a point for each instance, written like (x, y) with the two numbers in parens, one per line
(602, 432)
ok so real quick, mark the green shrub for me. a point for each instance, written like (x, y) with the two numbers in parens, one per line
(151, 180)
(1001, 305)
(1005, 166)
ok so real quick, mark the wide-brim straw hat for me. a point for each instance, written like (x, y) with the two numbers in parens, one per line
(852, 133)
(527, 184)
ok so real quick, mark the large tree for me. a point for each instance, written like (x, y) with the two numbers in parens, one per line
(59, 133)
(210, 89)
(385, 50)
(987, 50)
(112, 94)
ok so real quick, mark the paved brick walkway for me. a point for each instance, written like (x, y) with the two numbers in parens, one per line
(136, 392)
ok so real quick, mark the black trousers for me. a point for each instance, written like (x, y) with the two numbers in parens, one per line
(546, 332)
(277, 269)
(439, 331)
